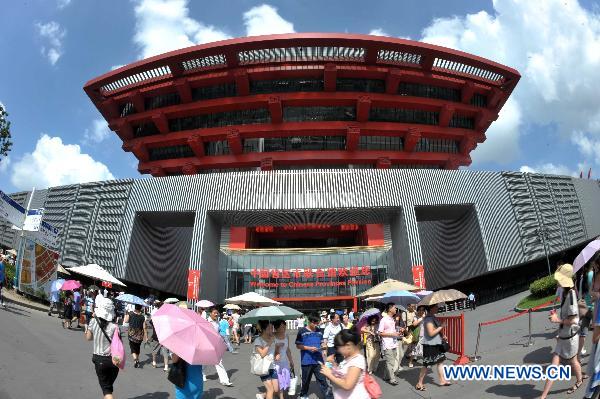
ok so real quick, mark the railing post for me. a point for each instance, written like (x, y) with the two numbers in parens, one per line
(475, 357)
(530, 340)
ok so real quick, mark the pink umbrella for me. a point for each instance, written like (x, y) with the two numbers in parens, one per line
(70, 285)
(588, 252)
(188, 335)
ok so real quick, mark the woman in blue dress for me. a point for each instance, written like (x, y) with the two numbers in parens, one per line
(194, 385)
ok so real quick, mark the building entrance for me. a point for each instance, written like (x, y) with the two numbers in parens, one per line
(310, 305)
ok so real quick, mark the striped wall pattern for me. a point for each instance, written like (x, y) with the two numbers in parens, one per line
(97, 219)
(589, 194)
(159, 256)
(90, 218)
(452, 250)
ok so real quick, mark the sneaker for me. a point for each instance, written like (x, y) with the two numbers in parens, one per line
(583, 351)
(259, 396)
(394, 382)
(227, 384)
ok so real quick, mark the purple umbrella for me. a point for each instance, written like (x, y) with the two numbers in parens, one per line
(588, 252)
(366, 314)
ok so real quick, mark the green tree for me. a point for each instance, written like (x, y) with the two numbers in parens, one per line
(5, 137)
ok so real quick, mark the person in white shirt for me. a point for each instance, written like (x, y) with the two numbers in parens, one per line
(329, 334)
(221, 371)
(236, 327)
(348, 376)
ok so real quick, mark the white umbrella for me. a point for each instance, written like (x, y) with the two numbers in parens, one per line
(387, 286)
(171, 300)
(252, 299)
(232, 307)
(374, 298)
(62, 270)
(12, 252)
(96, 272)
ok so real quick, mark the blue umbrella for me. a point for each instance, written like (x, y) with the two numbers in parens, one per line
(56, 284)
(128, 298)
(400, 297)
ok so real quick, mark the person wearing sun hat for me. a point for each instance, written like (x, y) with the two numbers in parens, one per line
(567, 340)
(99, 330)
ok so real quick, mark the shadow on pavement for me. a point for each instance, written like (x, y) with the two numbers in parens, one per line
(515, 391)
(16, 311)
(214, 393)
(539, 356)
(153, 395)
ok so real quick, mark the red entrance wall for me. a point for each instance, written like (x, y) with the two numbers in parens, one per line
(369, 235)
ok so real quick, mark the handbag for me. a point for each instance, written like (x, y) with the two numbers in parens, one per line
(372, 387)
(117, 350)
(260, 365)
(293, 384)
(445, 347)
(177, 373)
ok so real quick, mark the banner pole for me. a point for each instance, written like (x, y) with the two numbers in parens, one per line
(22, 244)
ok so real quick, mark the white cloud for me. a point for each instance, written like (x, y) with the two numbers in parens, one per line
(165, 25)
(112, 68)
(53, 163)
(502, 142)
(550, 169)
(4, 164)
(265, 20)
(588, 146)
(97, 133)
(378, 32)
(53, 36)
(62, 3)
(555, 44)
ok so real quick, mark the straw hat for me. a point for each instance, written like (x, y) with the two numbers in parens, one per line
(564, 275)
(105, 309)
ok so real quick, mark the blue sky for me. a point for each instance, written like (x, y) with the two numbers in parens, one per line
(552, 123)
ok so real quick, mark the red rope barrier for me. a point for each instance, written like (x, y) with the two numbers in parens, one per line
(487, 323)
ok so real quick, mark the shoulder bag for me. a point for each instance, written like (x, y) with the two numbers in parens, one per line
(177, 373)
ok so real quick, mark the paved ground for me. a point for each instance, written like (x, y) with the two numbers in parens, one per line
(39, 359)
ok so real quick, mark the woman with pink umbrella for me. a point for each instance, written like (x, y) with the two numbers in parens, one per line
(193, 342)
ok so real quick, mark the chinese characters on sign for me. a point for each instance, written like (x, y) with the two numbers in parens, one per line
(193, 293)
(419, 276)
(309, 278)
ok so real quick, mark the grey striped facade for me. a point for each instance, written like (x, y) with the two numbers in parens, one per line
(459, 224)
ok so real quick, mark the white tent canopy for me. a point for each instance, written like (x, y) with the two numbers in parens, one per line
(252, 299)
(96, 272)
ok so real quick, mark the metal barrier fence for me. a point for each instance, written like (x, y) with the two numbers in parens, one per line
(455, 333)
(475, 357)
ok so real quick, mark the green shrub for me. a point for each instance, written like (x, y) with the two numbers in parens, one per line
(543, 287)
(9, 271)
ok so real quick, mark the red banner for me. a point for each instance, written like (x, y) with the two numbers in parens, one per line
(106, 284)
(193, 293)
(330, 277)
(419, 276)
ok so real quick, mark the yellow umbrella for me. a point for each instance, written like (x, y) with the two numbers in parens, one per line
(387, 286)
(442, 296)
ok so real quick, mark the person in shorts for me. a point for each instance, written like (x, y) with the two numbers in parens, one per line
(76, 306)
(101, 330)
(264, 346)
